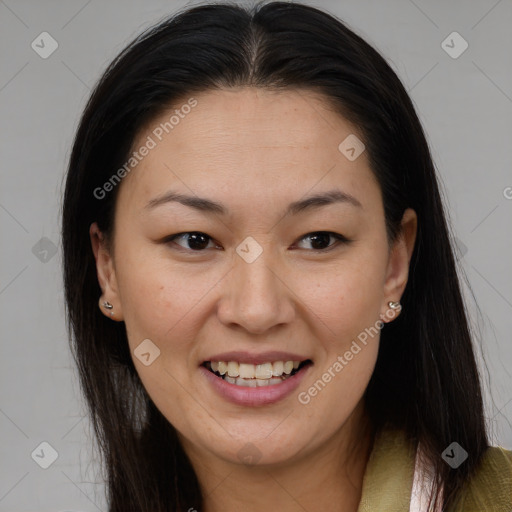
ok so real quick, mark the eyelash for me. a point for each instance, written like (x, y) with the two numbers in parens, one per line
(339, 238)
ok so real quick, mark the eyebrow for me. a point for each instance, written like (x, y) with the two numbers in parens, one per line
(209, 206)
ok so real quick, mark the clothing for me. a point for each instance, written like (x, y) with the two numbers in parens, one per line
(389, 476)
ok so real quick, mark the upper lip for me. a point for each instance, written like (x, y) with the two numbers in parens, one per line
(263, 357)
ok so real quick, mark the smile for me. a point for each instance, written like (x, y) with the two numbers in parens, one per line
(255, 375)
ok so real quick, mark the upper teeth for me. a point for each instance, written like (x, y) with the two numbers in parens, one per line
(251, 371)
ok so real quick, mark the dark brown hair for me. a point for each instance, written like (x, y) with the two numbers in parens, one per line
(425, 381)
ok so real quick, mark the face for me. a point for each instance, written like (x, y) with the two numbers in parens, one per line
(261, 276)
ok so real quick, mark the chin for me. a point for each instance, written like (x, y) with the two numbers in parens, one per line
(257, 447)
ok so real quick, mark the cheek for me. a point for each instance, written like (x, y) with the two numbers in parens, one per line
(337, 389)
(345, 300)
(349, 308)
(160, 303)
(346, 306)
(159, 297)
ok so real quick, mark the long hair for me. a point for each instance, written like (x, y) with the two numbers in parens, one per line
(425, 381)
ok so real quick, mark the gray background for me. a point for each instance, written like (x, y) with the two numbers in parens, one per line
(464, 103)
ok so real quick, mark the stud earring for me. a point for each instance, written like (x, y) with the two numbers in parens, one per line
(107, 305)
(395, 305)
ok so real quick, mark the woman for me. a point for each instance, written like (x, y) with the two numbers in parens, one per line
(229, 360)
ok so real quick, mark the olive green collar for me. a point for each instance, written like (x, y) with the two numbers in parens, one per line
(389, 476)
(388, 479)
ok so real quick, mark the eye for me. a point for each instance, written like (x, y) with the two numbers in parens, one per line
(320, 240)
(195, 240)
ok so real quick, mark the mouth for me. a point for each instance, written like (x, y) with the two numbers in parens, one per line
(256, 375)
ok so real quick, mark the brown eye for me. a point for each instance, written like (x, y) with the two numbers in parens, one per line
(193, 240)
(320, 240)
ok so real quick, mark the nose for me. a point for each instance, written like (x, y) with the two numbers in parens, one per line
(256, 297)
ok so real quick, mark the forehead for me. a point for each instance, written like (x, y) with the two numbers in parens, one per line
(247, 142)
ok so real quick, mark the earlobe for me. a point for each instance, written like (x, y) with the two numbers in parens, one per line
(109, 302)
(107, 306)
(399, 261)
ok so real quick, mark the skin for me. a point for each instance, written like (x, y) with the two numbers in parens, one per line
(255, 152)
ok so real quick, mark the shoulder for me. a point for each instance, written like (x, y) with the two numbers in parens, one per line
(490, 489)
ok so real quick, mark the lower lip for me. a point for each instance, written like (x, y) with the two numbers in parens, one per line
(254, 397)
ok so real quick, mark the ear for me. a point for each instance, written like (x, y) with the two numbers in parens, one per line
(398, 264)
(106, 273)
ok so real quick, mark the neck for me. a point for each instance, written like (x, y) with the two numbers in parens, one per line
(328, 478)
